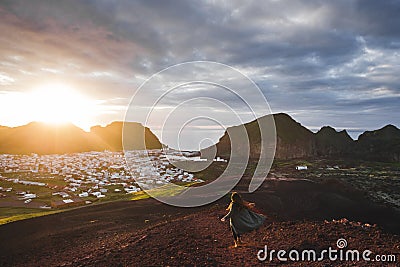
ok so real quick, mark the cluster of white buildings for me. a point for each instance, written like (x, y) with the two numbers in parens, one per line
(91, 173)
(160, 171)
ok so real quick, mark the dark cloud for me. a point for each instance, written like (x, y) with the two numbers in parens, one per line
(335, 57)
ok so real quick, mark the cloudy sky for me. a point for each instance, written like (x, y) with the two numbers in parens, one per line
(323, 62)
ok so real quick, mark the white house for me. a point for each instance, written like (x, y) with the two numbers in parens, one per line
(29, 196)
(300, 168)
(83, 194)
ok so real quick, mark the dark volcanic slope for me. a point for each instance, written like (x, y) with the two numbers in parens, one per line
(147, 233)
(51, 237)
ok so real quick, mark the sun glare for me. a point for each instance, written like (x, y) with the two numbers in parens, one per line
(59, 104)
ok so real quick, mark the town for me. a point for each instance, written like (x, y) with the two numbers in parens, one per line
(59, 181)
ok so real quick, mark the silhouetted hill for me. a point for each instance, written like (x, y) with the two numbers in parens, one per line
(296, 141)
(332, 143)
(42, 138)
(382, 144)
(110, 136)
(293, 139)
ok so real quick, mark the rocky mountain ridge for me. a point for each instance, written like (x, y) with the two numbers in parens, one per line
(293, 140)
(42, 138)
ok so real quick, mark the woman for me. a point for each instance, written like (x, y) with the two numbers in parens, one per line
(242, 219)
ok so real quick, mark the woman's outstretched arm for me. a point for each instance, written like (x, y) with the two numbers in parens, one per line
(227, 216)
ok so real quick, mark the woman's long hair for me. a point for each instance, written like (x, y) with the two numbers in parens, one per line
(236, 199)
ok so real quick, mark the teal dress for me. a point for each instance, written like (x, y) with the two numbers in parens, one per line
(243, 220)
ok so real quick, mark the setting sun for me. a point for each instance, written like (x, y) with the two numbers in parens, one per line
(58, 103)
(55, 103)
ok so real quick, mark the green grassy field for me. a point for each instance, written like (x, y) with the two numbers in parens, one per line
(44, 194)
(167, 190)
(12, 214)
